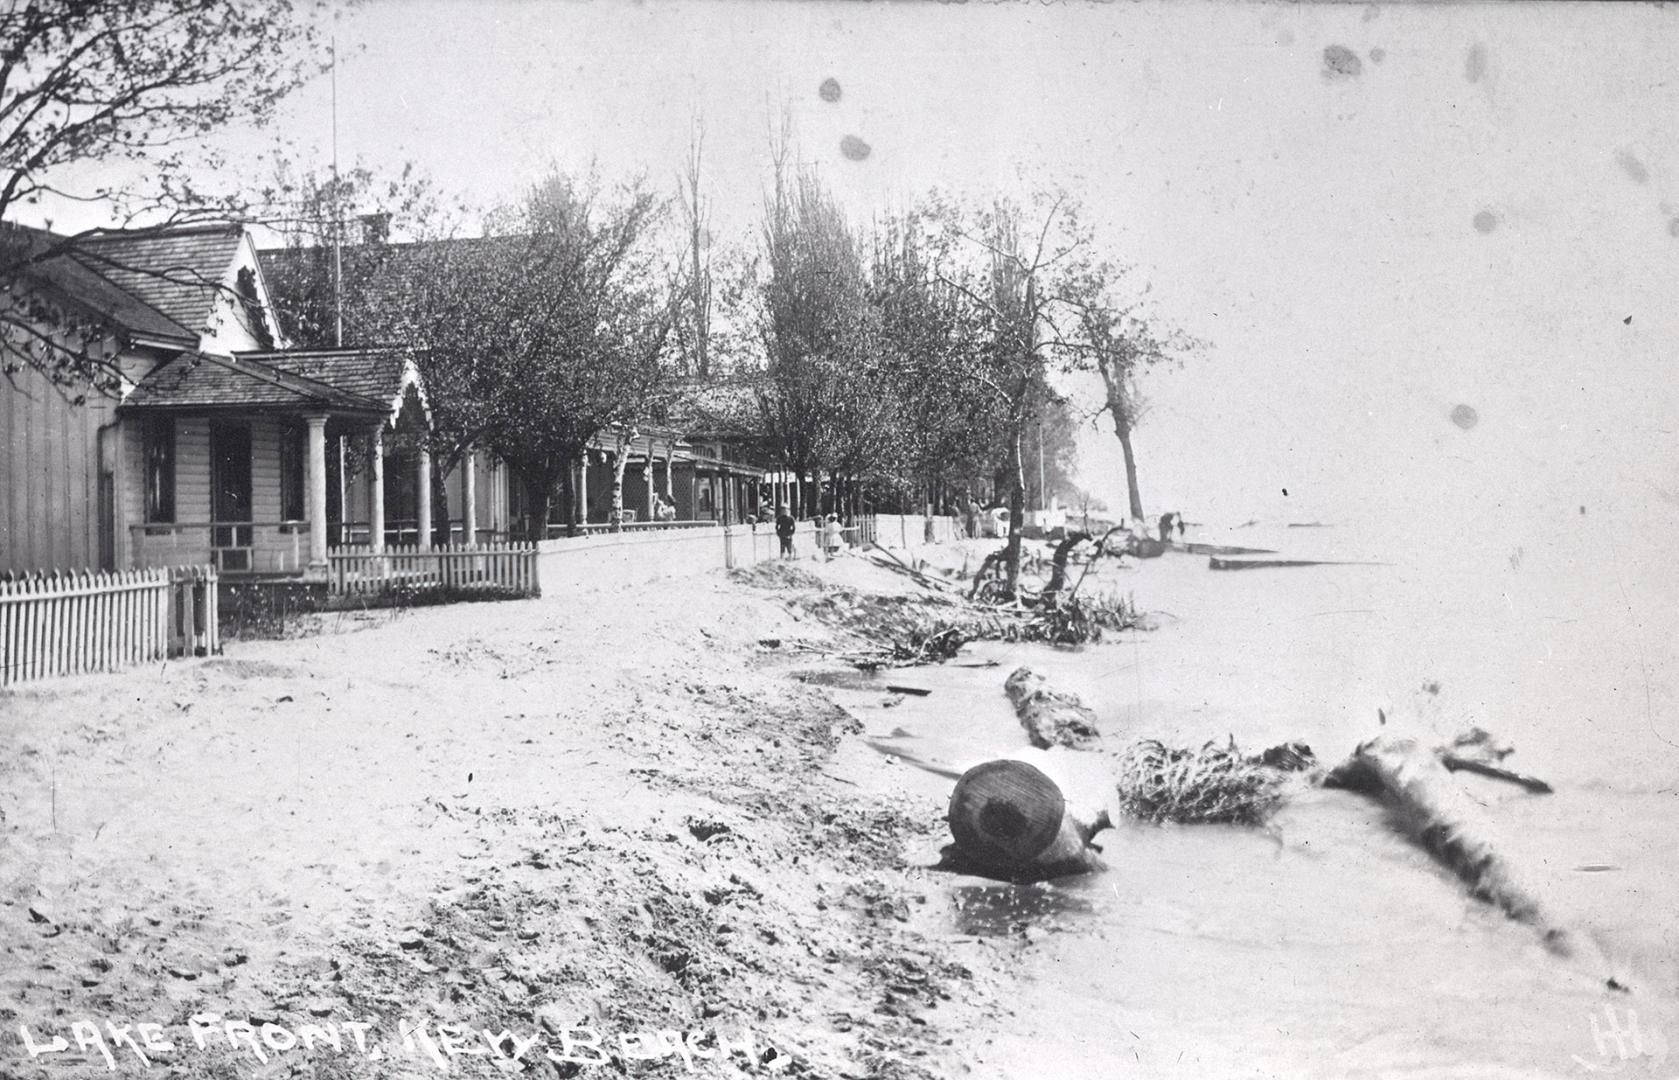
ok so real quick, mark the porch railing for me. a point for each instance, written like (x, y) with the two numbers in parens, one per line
(401, 531)
(490, 568)
(233, 547)
(598, 528)
(75, 623)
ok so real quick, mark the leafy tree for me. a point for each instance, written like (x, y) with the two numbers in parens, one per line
(1049, 306)
(1017, 280)
(947, 426)
(545, 333)
(814, 325)
(88, 86)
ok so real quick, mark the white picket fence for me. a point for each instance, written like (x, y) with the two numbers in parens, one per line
(499, 567)
(73, 623)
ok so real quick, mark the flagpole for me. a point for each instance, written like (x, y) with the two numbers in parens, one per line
(337, 217)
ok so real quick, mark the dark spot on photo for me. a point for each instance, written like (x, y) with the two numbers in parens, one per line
(1378, 54)
(854, 148)
(1627, 320)
(1465, 417)
(1486, 221)
(1475, 64)
(1633, 167)
(1340, 62)
(830, 89)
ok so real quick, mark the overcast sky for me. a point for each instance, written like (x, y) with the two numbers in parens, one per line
(1374, 214)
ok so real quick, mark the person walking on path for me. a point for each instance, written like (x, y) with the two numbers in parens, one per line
(784, 526)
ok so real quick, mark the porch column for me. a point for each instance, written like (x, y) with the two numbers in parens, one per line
(670, 460)
(469, 497)
(425, 499)
(343, 491)
(317, 492)
(649, 478)
(583, 486)
(376, 490)
(694, 491)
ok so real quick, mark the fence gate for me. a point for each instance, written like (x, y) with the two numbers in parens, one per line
(78, 622)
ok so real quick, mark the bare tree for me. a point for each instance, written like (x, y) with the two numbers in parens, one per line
(1123, 343)
(694, 328)
(95, 86)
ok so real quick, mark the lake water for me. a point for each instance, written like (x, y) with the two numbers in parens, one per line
(1329, 945)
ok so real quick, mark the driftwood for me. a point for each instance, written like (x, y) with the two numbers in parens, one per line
(899, 566)
(1442, 817)
(1050, 717)
(1010, 821)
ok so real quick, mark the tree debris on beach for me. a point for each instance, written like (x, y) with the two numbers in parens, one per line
(1427, 803)
(1215, 784)
(932, 623)
(1050, 717)
(1159, 783)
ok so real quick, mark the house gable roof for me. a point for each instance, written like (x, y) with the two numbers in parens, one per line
(178, 272)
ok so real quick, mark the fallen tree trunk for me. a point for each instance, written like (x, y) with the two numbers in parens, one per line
(1010, 821)
(1050, 717)
(1058, 568)
(1449, 824)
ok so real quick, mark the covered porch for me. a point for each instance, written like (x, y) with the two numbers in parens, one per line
(262, 469)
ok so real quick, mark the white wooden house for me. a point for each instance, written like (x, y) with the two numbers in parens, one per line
(223, 444)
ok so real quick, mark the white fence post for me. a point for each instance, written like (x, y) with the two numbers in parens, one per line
(66, 624)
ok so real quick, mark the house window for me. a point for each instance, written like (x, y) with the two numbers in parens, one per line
(292, 456)
(157, 449)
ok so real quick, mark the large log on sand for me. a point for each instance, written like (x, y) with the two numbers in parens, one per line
(1011, 821)
(1050, 717)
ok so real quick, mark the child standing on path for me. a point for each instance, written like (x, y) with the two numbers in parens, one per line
(784, 526)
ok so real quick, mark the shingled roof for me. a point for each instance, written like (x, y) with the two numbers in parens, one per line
(176, 271)
(207, 381)
(379, 374)
(65, 276)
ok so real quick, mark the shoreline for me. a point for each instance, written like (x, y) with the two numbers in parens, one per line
(492, 818)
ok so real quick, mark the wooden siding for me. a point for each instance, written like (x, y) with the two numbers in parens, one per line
(49, 510)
